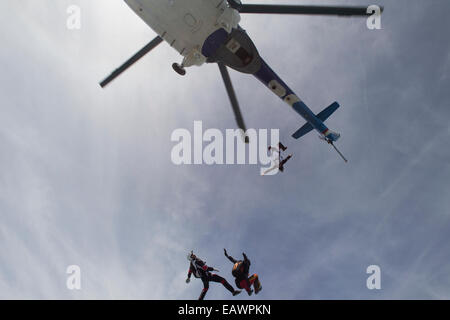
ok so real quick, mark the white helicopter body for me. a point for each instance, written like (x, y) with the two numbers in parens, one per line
(186, 24)
(208, 31)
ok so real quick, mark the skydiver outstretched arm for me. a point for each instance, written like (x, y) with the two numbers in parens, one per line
(188, 279)
(246, 260)
(229, 258)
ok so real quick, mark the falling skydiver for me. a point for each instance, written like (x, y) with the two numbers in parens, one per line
(280, 162)
(240, 271)
(200, 270)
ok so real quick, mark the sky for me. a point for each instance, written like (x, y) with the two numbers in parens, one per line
(86, 176)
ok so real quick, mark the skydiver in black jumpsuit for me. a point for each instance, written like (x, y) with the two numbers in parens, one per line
(281, 160)
(240, 271)
(200, 270)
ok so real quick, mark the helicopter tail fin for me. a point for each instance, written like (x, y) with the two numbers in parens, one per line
(323, 116)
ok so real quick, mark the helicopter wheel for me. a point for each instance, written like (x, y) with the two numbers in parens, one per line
(179, 69)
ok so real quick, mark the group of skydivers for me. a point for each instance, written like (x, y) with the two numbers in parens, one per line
(240, 272)
(241, 268)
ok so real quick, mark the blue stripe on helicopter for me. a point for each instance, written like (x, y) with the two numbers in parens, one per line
(214, 41)
(303, 110)
(266, 75)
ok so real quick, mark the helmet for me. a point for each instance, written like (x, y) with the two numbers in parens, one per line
(191, 256)
(237, 269)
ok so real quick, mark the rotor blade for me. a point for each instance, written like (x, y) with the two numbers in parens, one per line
(150, 46)
(233, 98)
(309, 10)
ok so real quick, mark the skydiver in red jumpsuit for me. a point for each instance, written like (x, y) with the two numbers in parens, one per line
(240, 271)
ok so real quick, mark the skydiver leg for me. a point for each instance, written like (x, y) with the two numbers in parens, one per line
(245, 284)
(275, 152)
(217, 278)
(276, 166)
(205, 288)
(254, 280)
(282, 163)
(273, 149)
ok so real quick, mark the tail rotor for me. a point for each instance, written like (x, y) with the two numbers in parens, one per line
(330, 142)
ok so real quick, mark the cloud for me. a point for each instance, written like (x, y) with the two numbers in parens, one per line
(86, 175)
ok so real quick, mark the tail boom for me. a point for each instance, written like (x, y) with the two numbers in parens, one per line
(322, 117)
(267, 76)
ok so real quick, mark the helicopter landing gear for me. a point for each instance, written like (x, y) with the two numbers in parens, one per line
(179, 68)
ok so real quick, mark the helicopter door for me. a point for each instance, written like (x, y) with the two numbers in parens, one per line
(193, 24)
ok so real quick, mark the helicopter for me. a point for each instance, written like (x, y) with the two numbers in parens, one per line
(209, 31)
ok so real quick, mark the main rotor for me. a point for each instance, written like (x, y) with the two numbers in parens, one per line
(299, 9)
(343, 11)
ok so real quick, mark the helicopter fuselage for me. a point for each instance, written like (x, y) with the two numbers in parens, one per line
(209, 31)
(186, 25)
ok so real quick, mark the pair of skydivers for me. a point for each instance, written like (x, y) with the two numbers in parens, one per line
(280, 161)
(240, 272)
(241, 268)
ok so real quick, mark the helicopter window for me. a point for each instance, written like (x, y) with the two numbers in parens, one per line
(190, 20)
(244, 55)
(233, 45)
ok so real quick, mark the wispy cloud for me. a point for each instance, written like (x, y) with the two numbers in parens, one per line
(87, 179)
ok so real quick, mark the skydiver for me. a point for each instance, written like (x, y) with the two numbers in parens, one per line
(240, 271)
(280, 162)
(202, 271)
